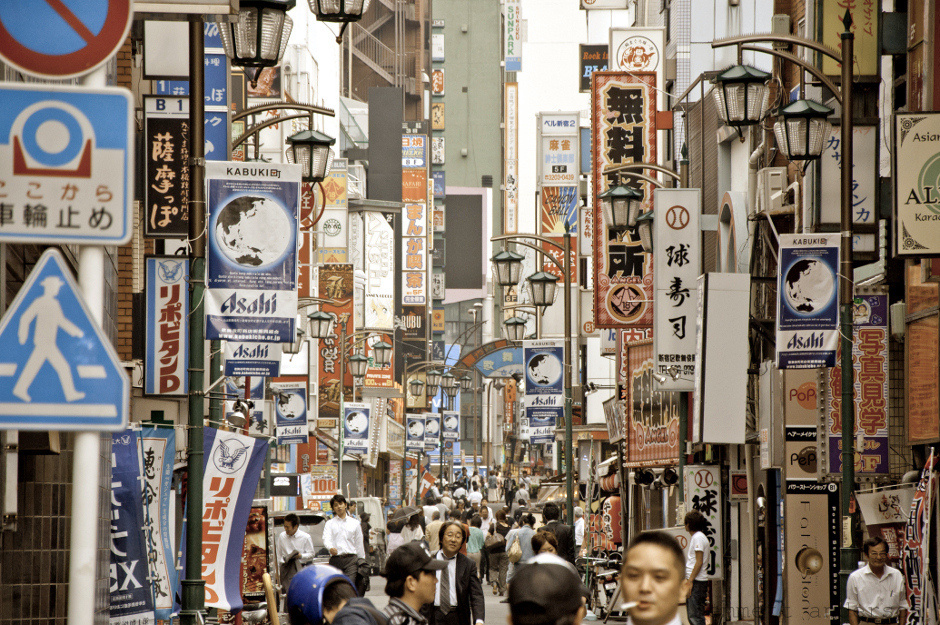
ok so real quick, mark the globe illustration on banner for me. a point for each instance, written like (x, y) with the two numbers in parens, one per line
(253, 231)
(291, 406)
(357, 422)
(431, 427)
(809, 286)
(451, 423)
(544, 369)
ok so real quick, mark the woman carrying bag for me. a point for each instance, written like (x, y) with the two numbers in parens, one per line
(496, 546)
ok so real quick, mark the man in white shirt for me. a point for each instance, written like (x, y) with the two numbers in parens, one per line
(696, 569)
(342, 535)
(460, 492)
(653, 577)
(294, 549)
(876, 594)
(475, 496)
(578, 528)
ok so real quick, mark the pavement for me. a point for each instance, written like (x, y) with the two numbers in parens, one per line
(496, 611)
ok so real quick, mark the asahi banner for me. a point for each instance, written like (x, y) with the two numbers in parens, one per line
(544, 388)
(290, 408)
(251, 251)
(917, 191)
(432, 431)
(414, 432)
(678, 260)
(232, 469)
(451, 425)
(356, 427)
(158, 446)
(254, 359)
(807, 301)
(166, 361)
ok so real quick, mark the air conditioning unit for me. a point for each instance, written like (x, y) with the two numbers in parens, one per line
(771, 191)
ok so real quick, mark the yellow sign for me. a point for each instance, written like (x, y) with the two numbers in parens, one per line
(864, 25)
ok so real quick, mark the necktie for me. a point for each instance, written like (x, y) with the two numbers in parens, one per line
(445, 588)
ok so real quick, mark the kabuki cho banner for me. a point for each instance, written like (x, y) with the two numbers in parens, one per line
(251, 252)
(158, 446)
(167, 344)
(544, 388)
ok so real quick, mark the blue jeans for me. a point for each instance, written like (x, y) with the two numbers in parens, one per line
(695, 604)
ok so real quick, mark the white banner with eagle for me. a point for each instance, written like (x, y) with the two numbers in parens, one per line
(233, 464)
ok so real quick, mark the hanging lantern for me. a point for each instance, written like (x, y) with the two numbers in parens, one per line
(338, 10)
(416, 386)
(621, 205)
(382, 352)
(515, 328)
(358, 365)
(644, 227)
(434, 378)
(257, 38)
(508, 267)
(802, 129)
(311, 150)
(542, 288)
(296, 345)
(742, 96)
(320, 324)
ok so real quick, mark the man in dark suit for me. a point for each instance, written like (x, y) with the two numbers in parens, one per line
(551, 513)
(458, 599)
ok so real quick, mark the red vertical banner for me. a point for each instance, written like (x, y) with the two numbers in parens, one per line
(334, 283)
(623, 128)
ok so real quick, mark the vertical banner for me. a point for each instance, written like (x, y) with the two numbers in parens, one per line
(290, 410)
(251, 252)
(253, 359)
(801, 402)
(414, 194)
(557, 148)
(651, 415)
(811, 535)
(451, 425)
(306, 241)
(233, 464)
(432, 431)
(414, 433)
(807, 301)
(377, 422)
(394, 482)
(703, 493)
(166, 146)
(870, 374)
(356, 420)
(678, 261)
(333, 237)
(131, 596)
(256, 553)
(559, 211)
(334, 283)
(166, 360)
(512, 36)
(544, 388)
(511, 168)
(916, 552)
(379, 267)
(623, 130)
(158, 449)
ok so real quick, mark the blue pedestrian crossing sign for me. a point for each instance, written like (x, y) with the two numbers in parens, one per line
(57, 369)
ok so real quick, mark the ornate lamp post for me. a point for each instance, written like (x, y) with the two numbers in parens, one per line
(515, 328)
(258, 38)
(311, 150)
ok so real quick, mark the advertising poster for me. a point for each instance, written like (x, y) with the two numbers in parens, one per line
(414, 433)
(379, 267)
(438, 151)
(306, 242)
(437, 116)
(558, 145)
(678, 265)
(440, 184)
(394, 482)
(623, 130)
(544, 388)
(511, 170)
(807, 301)
(290, 412)
(651, 415)
(254, 359)
(378, 376)
(917, 196)
(334, 283)
(131, 598)
(703, 493)
(870, 364)
(166, 362)
(811, 568)
(886, 513)
(158, 447)
(233, 464)
(451, 425)
(356, 417)
(801, 404)
(414, 193)
(166, 136)
(437, 81)
(591, 58)
(512, 36)
(255, 553)
(916, 552)
(251, 251)
(865, 27)
(559, 211)
(318, 486)
(432, 431)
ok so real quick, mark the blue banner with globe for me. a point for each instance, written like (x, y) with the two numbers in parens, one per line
(807, 301)
(544, 388)
(414, 432)
(290, 409)
(251, 251)
(356, 427)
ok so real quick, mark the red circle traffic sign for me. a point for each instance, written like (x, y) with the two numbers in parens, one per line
(34, 35)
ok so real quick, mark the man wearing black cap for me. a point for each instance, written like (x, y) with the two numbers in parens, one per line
(546, 590)
(410, 583)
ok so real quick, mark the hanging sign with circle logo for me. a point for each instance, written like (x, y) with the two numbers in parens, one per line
(62, 38)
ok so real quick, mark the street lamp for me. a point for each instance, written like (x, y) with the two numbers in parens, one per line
(258, 37)
(296, 345)
(742, 96)
(644, 227)
(465, 383)
(416, 386)
(802, 129)
(311, 150)
(542, 288)
(621, 205)
(343, 11)
(515, 328)
(358, 365)
(321, 324)
(508, 267)
(433, 377)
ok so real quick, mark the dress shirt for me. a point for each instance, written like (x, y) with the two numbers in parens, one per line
(485, 523)
(675, 620)
(874, 597)
(579, 532)
(300, 541)
(460, 492)
(344, 535)
(452, 569)
(475, 497)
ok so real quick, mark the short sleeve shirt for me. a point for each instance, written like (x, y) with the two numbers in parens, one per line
(699, 542)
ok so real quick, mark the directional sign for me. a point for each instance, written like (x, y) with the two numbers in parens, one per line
(66, 164)
(62, 38)
(57, 369)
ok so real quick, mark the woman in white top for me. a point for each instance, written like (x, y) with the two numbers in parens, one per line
(412, 531)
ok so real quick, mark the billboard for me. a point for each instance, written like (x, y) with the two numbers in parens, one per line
(544, 388)
(334, 283)
(166, 361)
(651, 416)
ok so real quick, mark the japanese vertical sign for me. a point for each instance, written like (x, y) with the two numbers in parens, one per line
(379, 267)
(917, 194)
(801, 423)
(432, 431)
(414, 190)
(131, 596)
(544, 387)
(623, 129)
(356, 427)
(807, 301)
(232, 468)
(703, 493)
(870, 364)
(557, 149)
(811, 545)
(651, 416)
(290, 409)
(251, 252)
(916, 549)
(166, 137)
(335, 283)
(864, 26)
(166, 359)
(512, 36)
(414, 432)
(333, 238)
(678, 260)
(864, 174)
(511, 170)
(158, 447)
